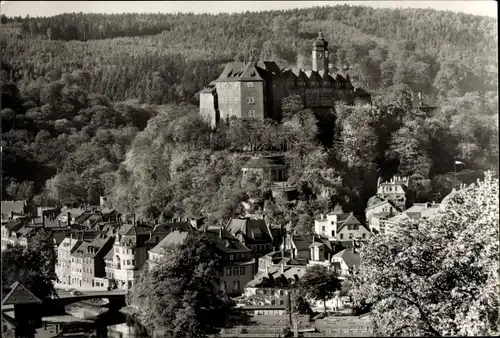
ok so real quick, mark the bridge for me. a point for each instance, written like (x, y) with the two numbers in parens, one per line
(65, 297)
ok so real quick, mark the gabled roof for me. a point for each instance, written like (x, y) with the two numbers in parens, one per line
(250, 73)
(18, 294)
(131, 230)
(74, 212)
(174, 238)
(250, 227)
(350, 258)
(350, 220)
(14, 226)
(225, 240)
(385, 201)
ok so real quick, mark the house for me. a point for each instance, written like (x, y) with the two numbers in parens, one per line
(417, 211)
(274, 285)
(265, 168)
(12, 210)
(130, 252)
(379, 211)
(160, 231)
(157, 254)
(299, 244)
(277, 258)
(70, 216)
(253, 234)
(64, 251)
(87, 262)
(11, 233)
(395, 190)
(345, 261)
(238, 265)
(340, 226)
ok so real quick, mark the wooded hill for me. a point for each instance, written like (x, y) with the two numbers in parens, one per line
(160, 58)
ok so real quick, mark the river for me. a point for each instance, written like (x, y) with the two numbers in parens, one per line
(107, 324)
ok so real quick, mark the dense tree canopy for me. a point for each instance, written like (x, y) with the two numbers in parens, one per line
(439, 276)
(320, 283)
(181, 296)
(29, 268)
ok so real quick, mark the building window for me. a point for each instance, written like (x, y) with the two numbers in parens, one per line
(235, 271)
(250, 85)
(251, 100)
(228, 272)
(364, 235)
(273, 302)
(333, 233)
(242, 270)
(282, 302)
(341, 236)
(231, 257)
(350, 236)
(323, 228)
(251, 113)
(281, 292)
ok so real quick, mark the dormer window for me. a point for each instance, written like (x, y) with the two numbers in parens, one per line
(250, 85)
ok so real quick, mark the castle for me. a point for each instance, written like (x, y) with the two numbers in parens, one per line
(256, 88)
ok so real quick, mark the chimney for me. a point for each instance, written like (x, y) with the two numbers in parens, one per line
(12, 215)
(68, 218)
(220, 232)
(267, 270)
(133, 219)
(322, 216)
(282, 269)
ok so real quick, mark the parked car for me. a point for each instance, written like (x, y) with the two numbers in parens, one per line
(76, 293)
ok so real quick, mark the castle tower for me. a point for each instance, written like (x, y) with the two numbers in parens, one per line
(320, 54)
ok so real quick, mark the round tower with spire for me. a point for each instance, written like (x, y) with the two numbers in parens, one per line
(320, 54)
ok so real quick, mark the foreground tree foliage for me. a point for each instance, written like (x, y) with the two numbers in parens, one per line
(437, 277)
(181, 297)
(29, 268)
(320, 283)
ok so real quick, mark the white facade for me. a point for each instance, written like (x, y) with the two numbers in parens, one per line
(63, 266)
(327, 226)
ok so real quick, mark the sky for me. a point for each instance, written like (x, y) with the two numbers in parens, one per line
(50, 8)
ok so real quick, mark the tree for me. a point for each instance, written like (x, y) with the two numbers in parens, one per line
(181, 295)
(437, 276)
(43, 243)
(26, 266)
(320, 283)
(300, 305)
(23, 191)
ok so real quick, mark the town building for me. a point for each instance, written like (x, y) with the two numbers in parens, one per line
(395, 190)
(64, 252)
(417, 211)
(277, 258)
(15, 232)
(253, 234)
(274, 286)
(87, 262)
(130, 252)
(344, 262)
(340, 226)
(238, 264)
(378, 212)
(256, 88)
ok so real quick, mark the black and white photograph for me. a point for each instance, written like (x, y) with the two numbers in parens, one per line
(238, 169)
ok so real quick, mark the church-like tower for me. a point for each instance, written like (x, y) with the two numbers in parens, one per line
(320, 54)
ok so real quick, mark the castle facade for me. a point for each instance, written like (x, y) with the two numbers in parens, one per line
(257, 88)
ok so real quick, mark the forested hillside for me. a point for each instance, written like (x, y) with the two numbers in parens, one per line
(174, 55)
(106, 104)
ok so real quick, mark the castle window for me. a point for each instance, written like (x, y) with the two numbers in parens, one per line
(251, 100)
(250, 85)
(251, 113)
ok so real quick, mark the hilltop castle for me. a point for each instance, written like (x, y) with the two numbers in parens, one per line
(256, 88)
